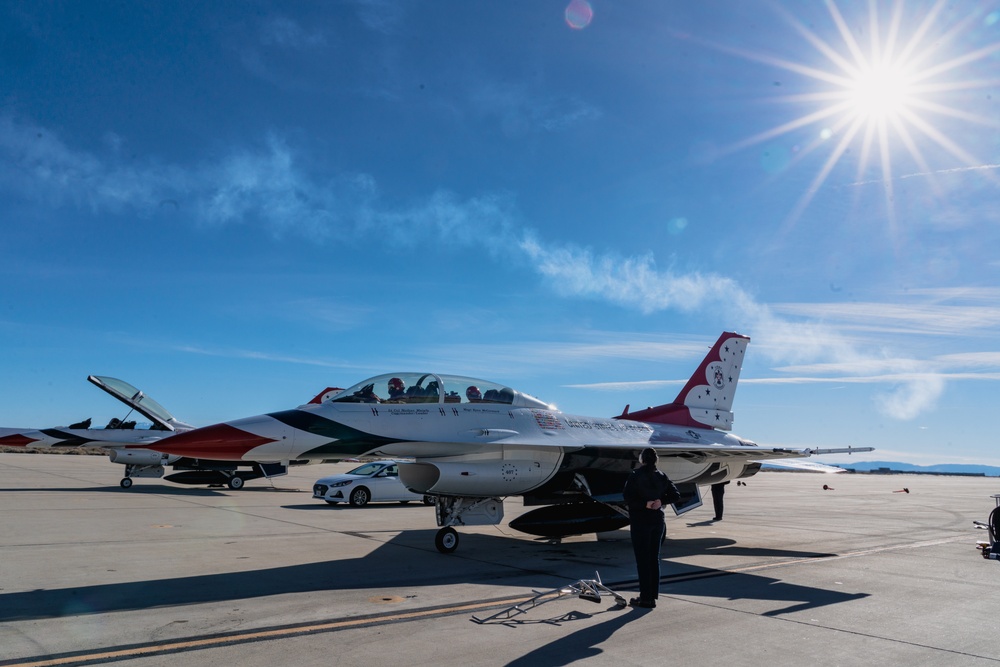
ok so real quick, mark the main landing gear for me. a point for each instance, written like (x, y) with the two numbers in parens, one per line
(463, 511)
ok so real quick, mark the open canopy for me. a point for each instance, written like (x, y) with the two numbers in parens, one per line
(431, 388)
(136, 400)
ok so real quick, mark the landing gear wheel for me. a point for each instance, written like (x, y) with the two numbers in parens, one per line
(446, 540)
(126, 483)
(428, 500)
(360, 497)
(235, 482)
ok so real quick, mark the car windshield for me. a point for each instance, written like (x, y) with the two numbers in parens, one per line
(367, 469)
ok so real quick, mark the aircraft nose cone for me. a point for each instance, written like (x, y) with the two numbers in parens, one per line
(222, 442)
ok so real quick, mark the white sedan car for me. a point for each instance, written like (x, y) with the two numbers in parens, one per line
(371, 482)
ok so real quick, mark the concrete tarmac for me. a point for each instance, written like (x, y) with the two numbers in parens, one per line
(163, 574)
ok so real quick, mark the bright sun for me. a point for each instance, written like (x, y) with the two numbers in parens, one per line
(878, 96)
(881, 93)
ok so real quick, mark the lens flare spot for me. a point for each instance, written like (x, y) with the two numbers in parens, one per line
(677, 226)
(579, 14)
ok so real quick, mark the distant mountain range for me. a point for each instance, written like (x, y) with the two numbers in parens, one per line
(941, 468)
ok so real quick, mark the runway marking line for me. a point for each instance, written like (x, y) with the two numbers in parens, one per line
(183, 645)
(180, 645)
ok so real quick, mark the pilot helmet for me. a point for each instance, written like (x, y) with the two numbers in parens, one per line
(473, 393)
(396, 386)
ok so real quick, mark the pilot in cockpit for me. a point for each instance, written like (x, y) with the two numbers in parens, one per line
(397, 390)
(473, 394)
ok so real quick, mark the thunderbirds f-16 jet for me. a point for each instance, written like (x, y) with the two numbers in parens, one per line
(474, 442)
(122, 438)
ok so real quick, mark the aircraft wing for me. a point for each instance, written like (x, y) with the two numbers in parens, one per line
(722, 452)
(807, 466)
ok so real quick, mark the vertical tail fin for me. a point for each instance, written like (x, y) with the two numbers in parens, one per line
(706, 401)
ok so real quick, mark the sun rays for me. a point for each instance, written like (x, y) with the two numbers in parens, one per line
(882, 90)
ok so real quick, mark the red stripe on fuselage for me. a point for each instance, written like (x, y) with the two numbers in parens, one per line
(16, 440)
(221, 441)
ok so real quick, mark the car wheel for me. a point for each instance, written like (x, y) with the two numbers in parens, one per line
(446, 540)
(360, 497)
(235, 482)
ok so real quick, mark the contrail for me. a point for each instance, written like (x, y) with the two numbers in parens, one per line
(954, 170)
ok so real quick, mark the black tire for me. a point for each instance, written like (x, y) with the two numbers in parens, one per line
(360, 497)
(446, 540)
(235, 483)
(429, 500)
(126, 483)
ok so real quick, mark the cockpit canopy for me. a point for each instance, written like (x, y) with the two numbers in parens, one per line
(430, 388)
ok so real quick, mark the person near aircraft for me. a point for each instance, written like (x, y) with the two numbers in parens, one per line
(718, 491)
(473, 394)
(646, 491)
(397, 389)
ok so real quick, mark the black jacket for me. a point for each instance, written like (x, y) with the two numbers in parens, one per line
(647, 483)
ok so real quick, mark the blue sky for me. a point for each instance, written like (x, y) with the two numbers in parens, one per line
(234, 206)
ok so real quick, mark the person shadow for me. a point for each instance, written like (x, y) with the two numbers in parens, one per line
(580, 645)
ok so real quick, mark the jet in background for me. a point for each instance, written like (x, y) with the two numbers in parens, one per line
(474, 442)
(122, 436)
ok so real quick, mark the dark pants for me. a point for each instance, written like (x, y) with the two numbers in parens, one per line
(646, 539)
(718, 491)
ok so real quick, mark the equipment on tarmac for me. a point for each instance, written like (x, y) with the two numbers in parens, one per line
(991, 549)
(585, 589)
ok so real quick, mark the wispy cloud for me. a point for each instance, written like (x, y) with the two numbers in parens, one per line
(383, 16)
(239, 353)
(521, 111)
(271, 188)
(285, 32)
(633, 282)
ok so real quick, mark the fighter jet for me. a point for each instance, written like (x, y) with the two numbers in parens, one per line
(474, 442)
(124, 440)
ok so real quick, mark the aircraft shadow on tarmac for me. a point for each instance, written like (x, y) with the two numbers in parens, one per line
(723, 546)
(407, 560)
(732, 586)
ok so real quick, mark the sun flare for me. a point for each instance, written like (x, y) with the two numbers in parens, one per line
(881, 99)
(881, 92)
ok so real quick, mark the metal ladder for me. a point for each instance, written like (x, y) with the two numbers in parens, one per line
(585, 589)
